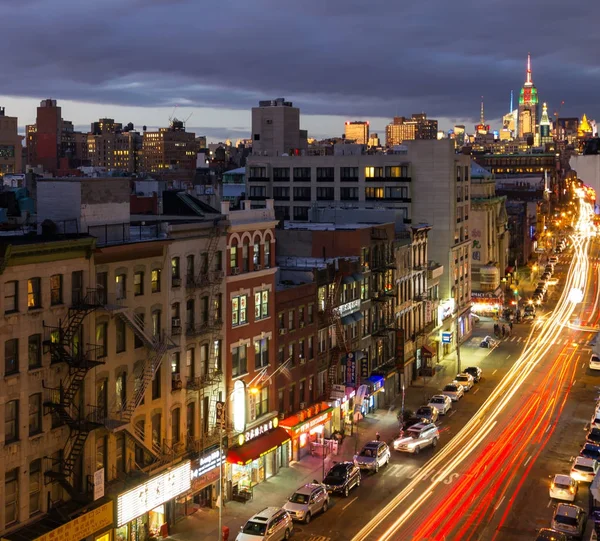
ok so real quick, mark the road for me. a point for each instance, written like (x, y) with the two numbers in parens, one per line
(468, 489)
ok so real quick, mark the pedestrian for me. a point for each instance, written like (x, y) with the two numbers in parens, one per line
(510, 324)
(377, 436)
(503, 331)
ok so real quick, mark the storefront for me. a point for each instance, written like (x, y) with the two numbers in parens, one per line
(259, 454)
(146, 511)
(95, 525)
(341, 417)
(204, 489)
(308, 429)
(375, 398)
(487, 303)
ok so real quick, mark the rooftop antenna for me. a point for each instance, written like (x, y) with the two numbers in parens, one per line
(189, 116)
(172, 117)
(482, 117)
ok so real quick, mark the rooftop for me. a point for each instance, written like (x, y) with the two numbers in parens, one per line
(308, 263)
(330, 226)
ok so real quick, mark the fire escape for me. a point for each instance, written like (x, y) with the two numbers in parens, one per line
(65, 402)
(207, 385)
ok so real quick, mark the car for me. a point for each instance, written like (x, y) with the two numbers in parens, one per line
(373, 455)
(595, 421)
(553, 259)
(454, 391)
(552, 282)
(549, 268)
(546, 276)
(548, 534)
(342, 478)
(584, 469)
(441, 402)
(542, 285)
(307, 501)
(475, 371)
(270, 524)
(488, 342)
(590, 450)
(563, 487)
(466, 380)
(593, 436)
(569, 519)
(594, 361)
(428, 412)
(417, 438)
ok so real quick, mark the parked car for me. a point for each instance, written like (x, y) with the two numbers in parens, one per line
(271, 524)
(569, 519)
(488, 342)
(553, 259)
(584, 469)
(548, 534)
(373, 455)
(595, 361)
(590, 450)
(414, 420)
(475, 371)
(466, 380)
(343, 477)
(428, 412)
(418, 437)
(454, 391)
(595, 421)
(593, 436)
(307, 501)
(441, 402)
(563, 487)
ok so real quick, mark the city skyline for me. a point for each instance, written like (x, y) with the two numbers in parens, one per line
(333, 78)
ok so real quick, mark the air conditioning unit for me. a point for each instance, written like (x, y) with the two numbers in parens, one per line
(235, 270)
(282, 331)
(302, 324)
(257, 267)
(302, 405)
(175, 282)
(176, 322)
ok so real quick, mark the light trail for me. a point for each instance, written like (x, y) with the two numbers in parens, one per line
(472, 435)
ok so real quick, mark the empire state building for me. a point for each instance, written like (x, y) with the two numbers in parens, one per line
(528, 106)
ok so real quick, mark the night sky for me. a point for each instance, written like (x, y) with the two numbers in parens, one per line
(134, 60)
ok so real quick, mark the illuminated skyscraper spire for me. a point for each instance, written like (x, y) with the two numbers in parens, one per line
(528, 80)
(481, 116)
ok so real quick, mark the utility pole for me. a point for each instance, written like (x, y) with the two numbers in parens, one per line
(220, 418)
(458, 345)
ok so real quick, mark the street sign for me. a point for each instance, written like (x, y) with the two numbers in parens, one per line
(220, 414)
(446, 338)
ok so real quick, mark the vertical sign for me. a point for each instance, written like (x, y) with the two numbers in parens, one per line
(400, 349)
(220, 414)
(350, 370)
(99, 484)
(364, 368)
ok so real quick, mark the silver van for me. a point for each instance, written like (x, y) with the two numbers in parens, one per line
(271, 524)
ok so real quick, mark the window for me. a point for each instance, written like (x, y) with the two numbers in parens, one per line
(373, 172)
(325, 174)
(217, 355)
(35, 486)
(190, 313)
(281, 193)
(175, 425)
(11, 297)
(302, 390)
(374, 193)
(258, 192)
(176, 363)
(137, 341)
(34, 293)
(102, 396)
(121, 389)
(233, 257)
(120, 452)
(281, 355)
(77, 287)
(311, 314)
(190, 362)
(34, 351)
(261, 305)
(138, 283)
(281, 173)
(11, 356)
(261, 352)
(262, 402)
(301, 321)
(218, 260)
(311, 389)
(281, 400)
(348, 173)
(349, 194)
(324, 194)
(102, 287)
(292, 353)
(238, 361)
(121, 286)
(291, 320)
(396, 193)
(217, 304)
(156, 384)
(190, 267)
(311, 348)
(246, 257)
(156, 317)
(322, 340)
(11, 421)
(292, 399)
(56, 289)
(35, 414)
(302, 194)
(102, 339)
(155, 280)
(280, 321)
(301, 213)
(190, 419)
(301, 173)
(267, 253)
(175, 272)
(256, 253)
(238, 310)
(101, 454)
(120, 335)
(301, 351)
(11, 497)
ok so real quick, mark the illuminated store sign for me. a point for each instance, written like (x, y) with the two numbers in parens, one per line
(207, 463)
(160, 489)
(261, 429)
(349, 308)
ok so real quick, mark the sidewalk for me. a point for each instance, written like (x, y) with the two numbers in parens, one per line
(204, 524)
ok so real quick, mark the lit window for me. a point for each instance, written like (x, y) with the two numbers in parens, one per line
(261, 305)
(239, 310)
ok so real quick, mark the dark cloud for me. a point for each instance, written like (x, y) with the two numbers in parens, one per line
(335, 57)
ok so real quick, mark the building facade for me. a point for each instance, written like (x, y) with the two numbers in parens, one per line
(276, 129)
(170, 152)
(528, 110)
(357, 131)
(10, 145)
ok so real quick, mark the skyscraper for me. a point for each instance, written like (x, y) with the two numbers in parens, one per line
(545, 126)
(357, 131)
(528, 106)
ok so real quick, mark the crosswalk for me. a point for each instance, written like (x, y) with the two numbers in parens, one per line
(319, 538)
(556, 342)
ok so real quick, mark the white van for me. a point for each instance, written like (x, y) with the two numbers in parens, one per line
(595, 362)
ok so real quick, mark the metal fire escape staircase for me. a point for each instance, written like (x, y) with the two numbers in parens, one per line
(64, 347)
(332, 316)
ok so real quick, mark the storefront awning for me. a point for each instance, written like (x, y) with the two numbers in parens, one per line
(258, 447)
(427, 351)
(296, 422)
(348, 320)
(509, 270)
(358, 316)
(348, 279)
(358, 277)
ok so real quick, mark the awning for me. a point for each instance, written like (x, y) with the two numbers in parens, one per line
(358, 277)
(347, 279)
(347, 320)
(258, 447)
(295, 422)
(427, 351)
(358, 316)
(509, 270)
